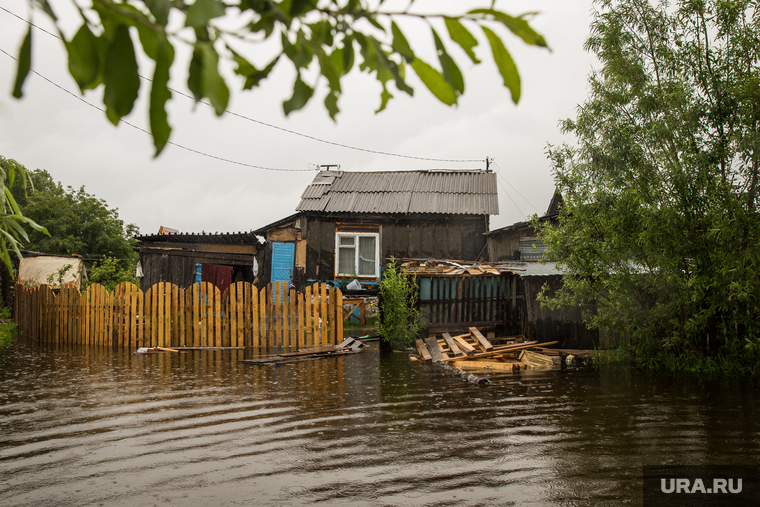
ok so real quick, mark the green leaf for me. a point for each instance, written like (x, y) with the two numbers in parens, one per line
(84, 58)
(149, 40)
(301, 7)
(400, 44)
(451, 72)
(298, 53)
(160, 94)
(506, 65)
(194, 75)
(301, 95)
(160, 10)
(517, 26)
(120, 76)
(212, 83)
(385, 96)
(435, 82)
(328, 70)
(331, 104)
(24, 64)
(462, 36)
(203, 11)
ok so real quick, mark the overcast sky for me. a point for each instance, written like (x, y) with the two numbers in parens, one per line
(53, 130)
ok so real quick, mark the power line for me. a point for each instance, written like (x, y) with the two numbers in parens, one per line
(282, 129)
(498, 173)
(192, 150)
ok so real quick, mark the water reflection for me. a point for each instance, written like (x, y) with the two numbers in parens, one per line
(83, 426)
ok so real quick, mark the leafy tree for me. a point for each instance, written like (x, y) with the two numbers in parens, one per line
(110, 272)
(660, 222)
(79, 223)
(324, 38)
(12, 220)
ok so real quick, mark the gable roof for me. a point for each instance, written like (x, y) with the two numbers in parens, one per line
(445, 192)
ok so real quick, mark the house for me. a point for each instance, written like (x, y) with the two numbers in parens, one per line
(349, 224)
(519, 241)
(186, 258)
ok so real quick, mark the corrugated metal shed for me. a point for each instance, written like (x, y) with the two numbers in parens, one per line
(445, 192)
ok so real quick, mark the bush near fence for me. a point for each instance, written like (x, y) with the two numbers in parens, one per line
(167, 316)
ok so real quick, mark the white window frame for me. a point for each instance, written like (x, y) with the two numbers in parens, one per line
(356, 236)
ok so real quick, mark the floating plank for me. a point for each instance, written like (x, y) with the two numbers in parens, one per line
(507, 348)
(481, 340)
(464, 346)
(452, 345)
(422, 349)
(535, 359)
(486, 365)
(434, 349)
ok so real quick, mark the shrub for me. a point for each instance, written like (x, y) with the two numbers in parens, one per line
(399, 319)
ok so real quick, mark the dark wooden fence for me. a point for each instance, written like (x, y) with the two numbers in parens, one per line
(167, 316)
(450, 302)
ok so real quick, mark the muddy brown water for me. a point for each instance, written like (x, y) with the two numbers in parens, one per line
(87, 427)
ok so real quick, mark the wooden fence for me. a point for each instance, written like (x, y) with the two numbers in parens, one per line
(167, 316)
(454, 302)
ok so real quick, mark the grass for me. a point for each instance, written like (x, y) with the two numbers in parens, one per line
(7, 333)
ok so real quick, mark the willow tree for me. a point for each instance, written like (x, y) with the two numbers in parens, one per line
(322, 39)
(660, 225)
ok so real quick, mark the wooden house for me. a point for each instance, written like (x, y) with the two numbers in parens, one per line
(184, 258)
(349, 224)
(519, 241)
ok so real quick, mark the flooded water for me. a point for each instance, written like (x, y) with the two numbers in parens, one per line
(86, 427)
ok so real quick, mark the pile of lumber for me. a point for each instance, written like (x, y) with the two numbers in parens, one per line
(447, 267)
(347, 346)
(473, 351)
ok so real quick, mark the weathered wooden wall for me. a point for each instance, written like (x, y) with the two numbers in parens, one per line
(175, 262)
(430, 237)
(564, 325)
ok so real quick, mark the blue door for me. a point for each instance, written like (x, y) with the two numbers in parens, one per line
(283, 257)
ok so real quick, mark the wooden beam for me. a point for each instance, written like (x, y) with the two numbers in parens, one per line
(486, 365)
(452, 345)
(506, 348)
(479, 338)
(466, 347)
(434, 349)
(422, 349)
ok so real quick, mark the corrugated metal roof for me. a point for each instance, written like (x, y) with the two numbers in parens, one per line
(448, 192)
(533, 268)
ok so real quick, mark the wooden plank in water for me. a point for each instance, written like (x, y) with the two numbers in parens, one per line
(535, 359)
(434, 349)
(481, 340)
(486, 365)
(464, 346)
(452, 345)
(422, 349)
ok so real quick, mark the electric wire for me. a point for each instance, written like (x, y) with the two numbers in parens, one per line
(498, 174)
(180, 146)
(272, 126)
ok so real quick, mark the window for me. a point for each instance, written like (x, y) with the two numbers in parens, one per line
(357, 254)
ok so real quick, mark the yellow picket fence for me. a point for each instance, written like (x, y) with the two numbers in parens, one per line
(167, 316)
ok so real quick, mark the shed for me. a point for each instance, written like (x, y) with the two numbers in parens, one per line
(186, 258)
(52, 270)
(349, 224)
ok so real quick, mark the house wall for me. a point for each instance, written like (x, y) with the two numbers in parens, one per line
(503, 244)
(175, 262)
(421, 236)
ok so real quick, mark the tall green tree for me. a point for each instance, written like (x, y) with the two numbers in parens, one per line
(660, 225)
(78, 223)
(322, 39)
